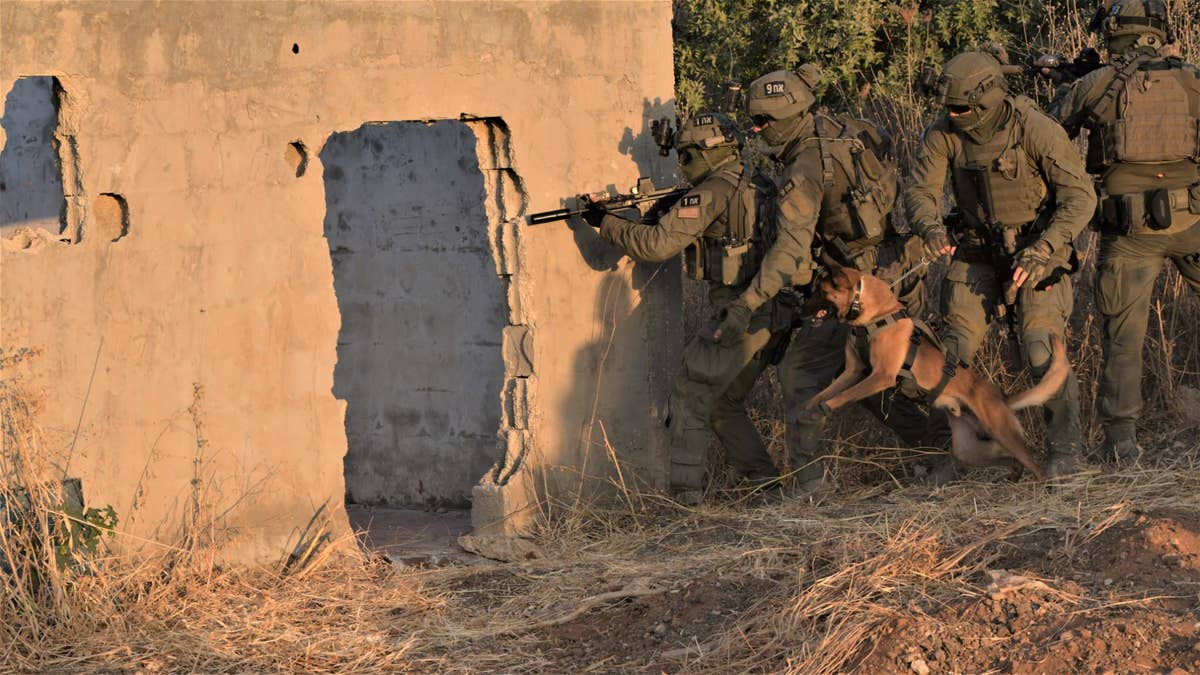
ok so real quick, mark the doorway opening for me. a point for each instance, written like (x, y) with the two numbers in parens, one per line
(423, 308)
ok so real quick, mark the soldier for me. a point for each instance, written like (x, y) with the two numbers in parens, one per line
(724, 228)
(837, 189)
(1022, 198)
(1142, 113)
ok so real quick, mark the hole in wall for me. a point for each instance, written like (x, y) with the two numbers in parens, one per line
(109, 217)
(296, 156)
(295, 48)
(423, 311)
(30, 169)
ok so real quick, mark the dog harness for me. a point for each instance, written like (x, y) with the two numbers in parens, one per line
(920, 328)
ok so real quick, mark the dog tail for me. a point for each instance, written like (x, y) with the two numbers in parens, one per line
(1052, 381)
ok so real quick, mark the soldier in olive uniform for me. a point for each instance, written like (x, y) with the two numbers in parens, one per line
(1022, 197)
(1142, 113)
(837, 190)
(724, 228)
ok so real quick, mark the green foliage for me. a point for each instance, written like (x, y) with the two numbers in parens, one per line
(866, 48)
(80, 532)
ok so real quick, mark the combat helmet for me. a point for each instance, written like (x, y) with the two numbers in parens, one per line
(1130, 23)
(971, 84)
(704, 143)
(778, 101)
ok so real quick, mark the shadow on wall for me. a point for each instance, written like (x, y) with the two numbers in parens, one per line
(31, 186)
(638, 326)
(419, 351)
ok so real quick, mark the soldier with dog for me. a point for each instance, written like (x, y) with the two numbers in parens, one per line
(1022, 197)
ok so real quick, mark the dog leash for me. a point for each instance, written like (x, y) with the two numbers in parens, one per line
(925, 262)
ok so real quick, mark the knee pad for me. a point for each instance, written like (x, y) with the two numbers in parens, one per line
(1037, 354)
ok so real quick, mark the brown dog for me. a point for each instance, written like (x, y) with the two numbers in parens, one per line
(984, 427)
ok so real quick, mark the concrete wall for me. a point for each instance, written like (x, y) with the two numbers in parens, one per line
(200, 346)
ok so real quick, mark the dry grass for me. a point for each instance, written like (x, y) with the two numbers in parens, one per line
(836, 573)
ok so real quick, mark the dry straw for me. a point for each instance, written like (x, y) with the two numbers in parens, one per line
(837, 574)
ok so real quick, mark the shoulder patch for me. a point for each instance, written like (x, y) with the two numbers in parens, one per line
(787, 187)
(704, 120)
(690, 200)
(775, 88)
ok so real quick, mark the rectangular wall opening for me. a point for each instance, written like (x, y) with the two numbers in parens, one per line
(423, 311)
(31, 184)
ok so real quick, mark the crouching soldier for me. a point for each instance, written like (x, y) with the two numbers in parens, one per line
(837, 190)
(724, 228)
(1142, 113)
(1022, 197)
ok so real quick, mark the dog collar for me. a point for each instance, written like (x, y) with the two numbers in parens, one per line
(855, 302)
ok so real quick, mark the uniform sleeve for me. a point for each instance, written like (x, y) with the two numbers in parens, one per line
(1062, 167)
(1073, 100)
(789, 260)
(676, 229)
(927, 181)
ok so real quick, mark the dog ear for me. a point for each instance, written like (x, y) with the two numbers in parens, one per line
(840, 279)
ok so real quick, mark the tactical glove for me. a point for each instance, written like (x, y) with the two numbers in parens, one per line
(593, 215)
(735, 321)
(937, 242)
(1030, 265)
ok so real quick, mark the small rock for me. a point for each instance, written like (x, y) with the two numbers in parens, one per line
(660, 629)
(441, 509)
(919, 667)
(1108, 582)
(1196, 647)
(1178, 671)
(1067, 635)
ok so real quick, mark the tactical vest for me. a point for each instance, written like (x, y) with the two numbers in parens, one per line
(1145, 127)
(733, 246)
(997, 185)
(1149, 114)
(858, 180)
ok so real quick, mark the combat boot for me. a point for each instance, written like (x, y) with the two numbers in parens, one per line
(1121, 447)
(1063, 460)
(945, 470)
(813, 491)
(1062, 463)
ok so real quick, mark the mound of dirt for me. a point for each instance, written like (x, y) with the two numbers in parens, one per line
(1142, 575)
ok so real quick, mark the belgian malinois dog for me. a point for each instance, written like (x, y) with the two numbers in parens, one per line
(984, 428)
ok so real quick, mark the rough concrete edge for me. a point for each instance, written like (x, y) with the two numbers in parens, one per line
(502, 501)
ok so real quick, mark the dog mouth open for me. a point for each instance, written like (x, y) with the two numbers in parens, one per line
(820, 309)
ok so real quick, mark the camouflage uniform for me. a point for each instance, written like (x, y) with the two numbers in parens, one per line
(1142, 113)
(1041, 199)
(836, 191)
(719, 227)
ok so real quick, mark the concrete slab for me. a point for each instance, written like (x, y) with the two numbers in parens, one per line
(413, 537)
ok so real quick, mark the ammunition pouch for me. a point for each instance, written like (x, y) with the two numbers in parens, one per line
(721, 261)
(1158, 211)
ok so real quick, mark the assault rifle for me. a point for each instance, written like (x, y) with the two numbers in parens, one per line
(1057, 69)
(641, 193)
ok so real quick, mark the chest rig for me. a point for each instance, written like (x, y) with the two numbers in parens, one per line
(1148, 114)
(998, 187)
(1144, 140)
(731, 249)
(858, 181)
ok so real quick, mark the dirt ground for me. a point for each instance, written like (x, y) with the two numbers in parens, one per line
(982, 576)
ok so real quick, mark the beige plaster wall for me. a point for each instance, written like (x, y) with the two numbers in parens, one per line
(207, 334)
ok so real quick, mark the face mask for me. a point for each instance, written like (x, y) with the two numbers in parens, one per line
(779, 133)
(692, 165)
(966, 121)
